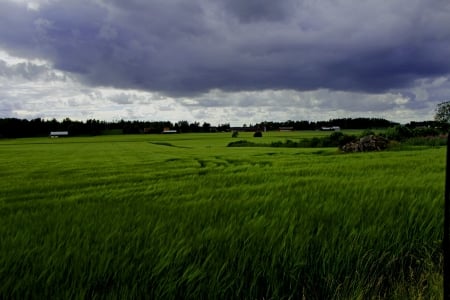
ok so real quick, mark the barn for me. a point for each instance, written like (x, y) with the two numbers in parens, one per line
(55, 134)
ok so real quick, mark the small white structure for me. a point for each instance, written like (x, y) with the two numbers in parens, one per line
(56, 134)
(332, 128)
(169, 131)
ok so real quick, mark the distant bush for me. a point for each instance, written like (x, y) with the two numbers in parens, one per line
(235, 134)
(314, 142)
(276, 144)
(345, 139)
(398, 133)
(367, 132)
(433, 141)
(335, 136)
(421, 136)
(336, 139)
(257, 134)
(425, 132)
(339, 139)
(242, 143)
(286, 144)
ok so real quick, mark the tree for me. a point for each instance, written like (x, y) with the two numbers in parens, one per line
(206, 127)
(443, 112)
(183, 126)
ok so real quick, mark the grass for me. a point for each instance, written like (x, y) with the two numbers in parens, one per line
(183, 216)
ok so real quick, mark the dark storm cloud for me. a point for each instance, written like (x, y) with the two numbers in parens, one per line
(188, 47)
(259, 10)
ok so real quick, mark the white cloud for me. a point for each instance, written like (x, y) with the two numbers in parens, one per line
(56, 94)
(11, 60)
(32, 5)
(59, 95)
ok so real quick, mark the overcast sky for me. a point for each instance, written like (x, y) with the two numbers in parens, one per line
(224, 61)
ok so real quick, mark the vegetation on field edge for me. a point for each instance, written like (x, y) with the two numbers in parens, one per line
(398, 136)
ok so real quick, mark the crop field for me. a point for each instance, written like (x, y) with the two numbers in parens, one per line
(185, 217)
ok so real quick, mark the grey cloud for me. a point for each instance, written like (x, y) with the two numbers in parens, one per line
(29, 71)
(187, 48)
(122, 99)
(287, 101)
(259, 10)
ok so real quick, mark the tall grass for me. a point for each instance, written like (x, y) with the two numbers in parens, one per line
(169, 217)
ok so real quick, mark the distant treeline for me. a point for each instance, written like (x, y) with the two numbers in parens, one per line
(14, 128)
(345, 123)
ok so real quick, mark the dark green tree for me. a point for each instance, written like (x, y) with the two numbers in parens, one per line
(183, 126)
(206, 127)
(443, 112)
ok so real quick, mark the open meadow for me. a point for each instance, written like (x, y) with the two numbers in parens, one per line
(185, 217)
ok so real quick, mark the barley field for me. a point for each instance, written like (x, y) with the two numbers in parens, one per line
(185, 217)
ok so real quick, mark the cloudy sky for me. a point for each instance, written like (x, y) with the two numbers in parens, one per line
(224, 61)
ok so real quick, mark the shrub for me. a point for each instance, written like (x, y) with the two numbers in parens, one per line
(291, 144)
(398, 133)
(336, 136)
(426, 141)
(257, 134)
(315, 142)
(367, 132)
(241, 143)
(345, 139)
(235, 134)
(336, 139)
(305, 143)
(427, 131)
(277, 144)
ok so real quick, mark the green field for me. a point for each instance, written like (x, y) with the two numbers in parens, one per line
(185, 217)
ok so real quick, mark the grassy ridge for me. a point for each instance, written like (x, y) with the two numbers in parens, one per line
(185, 217)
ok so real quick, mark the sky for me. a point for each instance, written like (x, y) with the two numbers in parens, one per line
(224, 61)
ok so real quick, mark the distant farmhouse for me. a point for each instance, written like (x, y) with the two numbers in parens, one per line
(56, 134)
(332, 128)
(168, 130)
